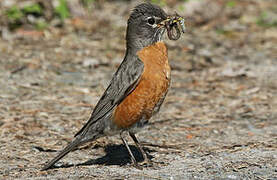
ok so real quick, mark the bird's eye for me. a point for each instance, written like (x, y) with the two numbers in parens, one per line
(151, 21)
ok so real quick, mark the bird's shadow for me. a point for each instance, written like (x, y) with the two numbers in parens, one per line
(115, 155)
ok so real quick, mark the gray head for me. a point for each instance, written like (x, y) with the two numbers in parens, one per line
(143, 26)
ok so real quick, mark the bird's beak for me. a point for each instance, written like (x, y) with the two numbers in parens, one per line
(174, 24)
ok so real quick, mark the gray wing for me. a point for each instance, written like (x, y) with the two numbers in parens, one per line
(122, 84)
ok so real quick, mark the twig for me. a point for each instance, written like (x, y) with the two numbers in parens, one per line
(19, 69)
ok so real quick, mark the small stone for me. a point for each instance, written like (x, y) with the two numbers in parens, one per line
(90, 62)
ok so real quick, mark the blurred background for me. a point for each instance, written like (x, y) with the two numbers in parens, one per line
(219, 119)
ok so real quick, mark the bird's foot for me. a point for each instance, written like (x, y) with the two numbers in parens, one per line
(140, 165)
(137, 166)
(146, 163)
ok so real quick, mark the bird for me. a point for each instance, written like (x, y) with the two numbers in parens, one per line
(138, 87)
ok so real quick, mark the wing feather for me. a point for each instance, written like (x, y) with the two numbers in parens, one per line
(122, 84)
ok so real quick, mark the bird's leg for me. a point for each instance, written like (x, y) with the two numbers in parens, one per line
(146, 160)
(133, 159)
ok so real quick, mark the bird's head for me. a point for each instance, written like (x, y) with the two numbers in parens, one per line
(146, 26)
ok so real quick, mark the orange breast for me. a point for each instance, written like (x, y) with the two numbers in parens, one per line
(150, 90)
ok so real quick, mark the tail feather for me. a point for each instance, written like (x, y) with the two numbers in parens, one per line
(75, 143)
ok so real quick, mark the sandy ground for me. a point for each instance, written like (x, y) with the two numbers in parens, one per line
(219, 120)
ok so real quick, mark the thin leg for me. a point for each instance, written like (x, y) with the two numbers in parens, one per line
(139, 146)
(134, 162)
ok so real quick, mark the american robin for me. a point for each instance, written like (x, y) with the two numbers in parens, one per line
(139, 86)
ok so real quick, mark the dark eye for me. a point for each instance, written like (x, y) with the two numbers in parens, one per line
(151, 21)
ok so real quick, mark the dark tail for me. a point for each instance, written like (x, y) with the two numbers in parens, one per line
(75, 143)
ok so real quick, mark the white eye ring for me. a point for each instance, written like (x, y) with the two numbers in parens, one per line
(151, 21)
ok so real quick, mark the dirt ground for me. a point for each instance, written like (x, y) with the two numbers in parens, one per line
(219, 120)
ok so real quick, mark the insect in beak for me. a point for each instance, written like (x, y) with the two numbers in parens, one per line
(174, 25)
